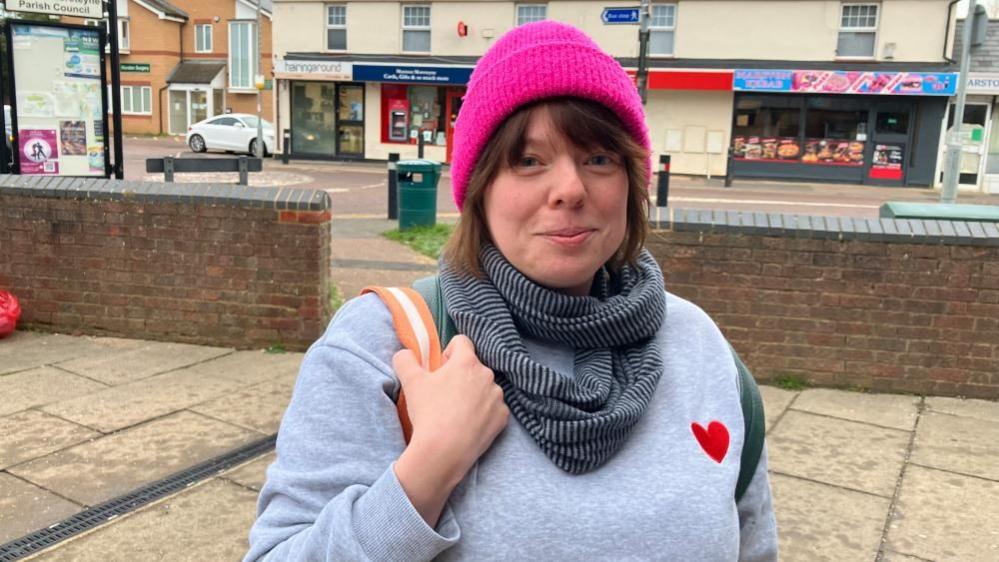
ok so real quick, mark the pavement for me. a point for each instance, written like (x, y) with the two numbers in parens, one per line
(84, 420)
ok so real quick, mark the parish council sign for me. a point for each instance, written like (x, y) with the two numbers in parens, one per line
(93, 9)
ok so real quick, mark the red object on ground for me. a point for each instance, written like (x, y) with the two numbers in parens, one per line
(10, 311)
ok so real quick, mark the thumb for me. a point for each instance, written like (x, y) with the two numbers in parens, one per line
(406, 366)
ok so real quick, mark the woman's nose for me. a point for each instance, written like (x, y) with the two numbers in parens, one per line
(567, 187)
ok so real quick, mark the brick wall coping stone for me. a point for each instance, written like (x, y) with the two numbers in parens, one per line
(54, 187)
(919, 231)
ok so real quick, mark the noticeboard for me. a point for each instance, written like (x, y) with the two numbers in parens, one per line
(60, 108)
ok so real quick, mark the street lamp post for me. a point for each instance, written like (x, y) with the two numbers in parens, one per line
(258, 81)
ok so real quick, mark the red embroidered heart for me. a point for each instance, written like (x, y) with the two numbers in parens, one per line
(714, 439)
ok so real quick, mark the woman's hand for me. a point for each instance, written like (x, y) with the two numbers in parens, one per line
(456, 411)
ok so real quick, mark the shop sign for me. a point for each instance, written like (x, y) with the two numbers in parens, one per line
(134, 67)
(412, 74)
(846, 82)
(887, 162)
(330, 70)
(92, 9)
(980, 83)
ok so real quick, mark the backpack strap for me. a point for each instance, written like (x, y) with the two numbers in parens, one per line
(752, 415)
(414, 324)
(430, 289)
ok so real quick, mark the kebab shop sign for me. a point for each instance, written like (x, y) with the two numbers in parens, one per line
(846, 82)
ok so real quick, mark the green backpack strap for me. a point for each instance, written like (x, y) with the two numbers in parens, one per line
(755, 426)
(430, 289)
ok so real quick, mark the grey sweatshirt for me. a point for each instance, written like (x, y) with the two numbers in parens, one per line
(332, 493)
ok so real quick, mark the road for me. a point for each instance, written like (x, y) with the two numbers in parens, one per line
(359, 189)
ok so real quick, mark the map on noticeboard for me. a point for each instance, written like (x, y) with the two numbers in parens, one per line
(59, 103)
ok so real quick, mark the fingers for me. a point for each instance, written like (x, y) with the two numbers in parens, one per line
(406, 366)
(460, 347)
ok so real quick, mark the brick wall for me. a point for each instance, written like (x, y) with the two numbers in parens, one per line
(887, 305)
(209, 264)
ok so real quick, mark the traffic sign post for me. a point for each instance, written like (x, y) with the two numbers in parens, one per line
(628, 15)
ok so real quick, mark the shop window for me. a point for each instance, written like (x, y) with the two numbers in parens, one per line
(409, 111)
(203, 38)
(833, 124)
(336, 27)
(416, 29)
(242, 54)
(136, 100)
(893, 122)
(857, 30)
(768, 118)
(527, 13)
(662, 28)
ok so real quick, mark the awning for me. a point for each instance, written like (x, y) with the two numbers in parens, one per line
(195, 72)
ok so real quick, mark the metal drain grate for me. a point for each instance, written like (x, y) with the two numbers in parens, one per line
(100, 514)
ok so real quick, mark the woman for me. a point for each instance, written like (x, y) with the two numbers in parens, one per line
(563, 422)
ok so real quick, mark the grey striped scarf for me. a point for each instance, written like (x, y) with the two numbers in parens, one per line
(579, 422)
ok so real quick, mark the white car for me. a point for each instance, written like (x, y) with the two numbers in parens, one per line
(236, 132)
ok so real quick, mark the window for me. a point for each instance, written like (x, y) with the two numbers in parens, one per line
(527, 13)
(857, 30)
(416, 29)
(203, 38)
(336, 28)
(662, 27)
(242, 54)
(409, 111)
(136, 100)
(123, 32)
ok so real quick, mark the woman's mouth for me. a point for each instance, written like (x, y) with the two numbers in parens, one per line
(569, 237)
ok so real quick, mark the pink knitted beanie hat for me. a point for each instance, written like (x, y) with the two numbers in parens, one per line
(532, 62)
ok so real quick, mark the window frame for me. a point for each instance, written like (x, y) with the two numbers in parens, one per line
(145, 97)
(517, 15)
(872, 30)
(211, 38)
(427, 28)
(672, 28)
(330, 26)
(251, 55)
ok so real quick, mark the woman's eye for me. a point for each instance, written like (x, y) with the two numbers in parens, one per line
(527, 161)
(601, 160)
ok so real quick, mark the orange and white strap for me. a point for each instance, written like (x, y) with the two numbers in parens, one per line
(414, 324)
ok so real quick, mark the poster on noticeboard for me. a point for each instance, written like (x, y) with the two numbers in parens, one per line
(59, 106)
(846, 82)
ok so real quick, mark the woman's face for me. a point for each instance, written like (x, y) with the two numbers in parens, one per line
(561, 213)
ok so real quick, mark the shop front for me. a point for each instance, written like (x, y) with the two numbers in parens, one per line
(876, 128)
(979, 167)
(320, 109)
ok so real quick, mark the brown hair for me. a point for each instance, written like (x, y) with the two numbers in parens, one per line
(587, 124)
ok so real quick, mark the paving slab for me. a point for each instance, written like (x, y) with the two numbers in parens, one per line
(126, 405)
(960, 444)
(821, 523)
(44, 385)
(251, 367)
(971, 408)
(206, 523)
(25, 508)
(252, 474)
(854, 455)
(887, 410)
(31, 434)
(890, 556)
(119, 463)
(150, 358)
(25, 350)
(775, 401)
(259, 407)
(942, 516)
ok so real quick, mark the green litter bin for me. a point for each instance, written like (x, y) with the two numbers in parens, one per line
(418, 192)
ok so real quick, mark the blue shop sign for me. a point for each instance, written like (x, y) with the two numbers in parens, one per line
(412, 74)
(846, 82)
(763, 80)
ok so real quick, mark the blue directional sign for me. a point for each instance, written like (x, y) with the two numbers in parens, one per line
(621, 15)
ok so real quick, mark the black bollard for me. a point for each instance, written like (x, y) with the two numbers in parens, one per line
(285, 146)
(419, 144)
(662, 188)
(730, 167)
(393, 186)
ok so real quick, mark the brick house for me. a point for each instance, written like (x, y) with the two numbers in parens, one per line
(185, 60)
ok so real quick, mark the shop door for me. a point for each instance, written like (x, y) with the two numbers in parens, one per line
(890, 144)
(453, 107)
(312, 119)
(178, 112)
(350, 120)
(973, 148)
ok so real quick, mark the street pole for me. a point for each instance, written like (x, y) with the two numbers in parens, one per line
(119, 135)
(258, 81)
(952, 165)
(643, 48)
